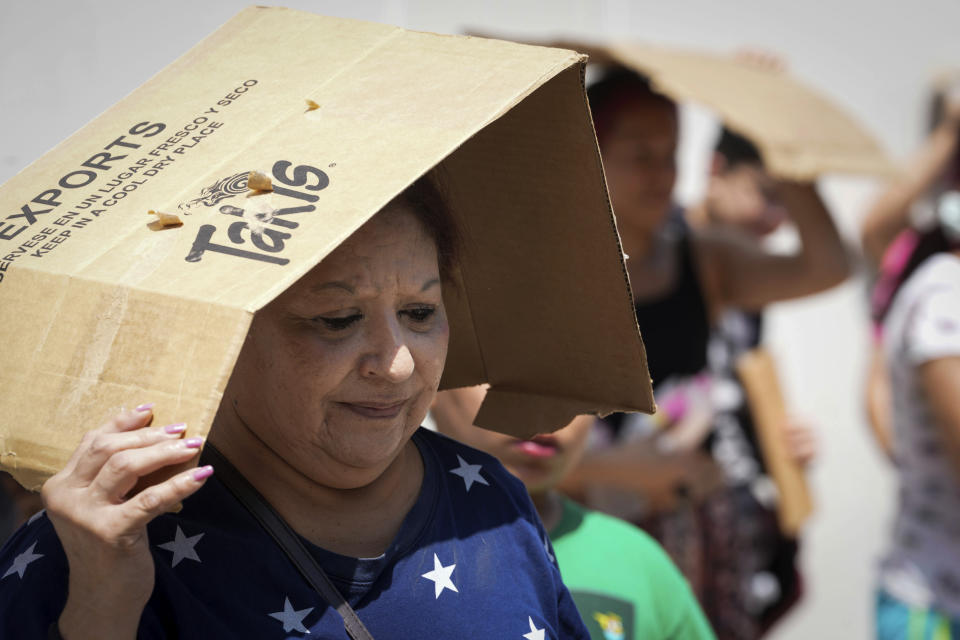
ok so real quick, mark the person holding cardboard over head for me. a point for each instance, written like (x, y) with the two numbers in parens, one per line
(912, 232)
(309, 315)
(684, 278)
(891, 231)
(624, 584)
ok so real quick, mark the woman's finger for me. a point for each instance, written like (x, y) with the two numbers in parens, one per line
(160, 498)
(99, 446)
(123, 469)
(128, 419)
(123, 420)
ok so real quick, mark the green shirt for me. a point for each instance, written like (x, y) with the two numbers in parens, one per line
(624, 584)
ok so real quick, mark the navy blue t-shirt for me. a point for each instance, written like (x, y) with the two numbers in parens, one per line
(471, 560)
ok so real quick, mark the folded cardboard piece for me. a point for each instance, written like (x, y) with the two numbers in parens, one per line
(800, 133)
(758, 373)
(99, 310)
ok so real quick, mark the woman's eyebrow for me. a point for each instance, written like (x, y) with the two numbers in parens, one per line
(336, 284)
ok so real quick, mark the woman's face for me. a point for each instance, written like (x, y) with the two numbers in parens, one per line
(639, 161)
(339, 371)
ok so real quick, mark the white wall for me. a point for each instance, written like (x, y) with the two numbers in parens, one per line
(62, 63)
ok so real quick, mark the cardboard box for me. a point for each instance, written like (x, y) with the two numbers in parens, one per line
(800, 133)
(97, 310)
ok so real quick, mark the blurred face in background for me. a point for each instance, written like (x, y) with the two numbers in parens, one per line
(540, 462)
(639, 158)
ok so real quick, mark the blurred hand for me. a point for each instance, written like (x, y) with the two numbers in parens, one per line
(761, 59)
(101, 519)
(801, 441)
(745, 199)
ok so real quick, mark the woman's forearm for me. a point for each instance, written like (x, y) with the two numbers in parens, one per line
(825, 259)
(890, 212)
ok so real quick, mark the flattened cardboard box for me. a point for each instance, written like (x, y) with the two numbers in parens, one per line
(97, 311)
(800, 133)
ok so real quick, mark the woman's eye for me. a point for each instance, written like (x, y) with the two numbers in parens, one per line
(419, 314)
(338, 323)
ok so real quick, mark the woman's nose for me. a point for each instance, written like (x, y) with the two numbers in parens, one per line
(389, 356)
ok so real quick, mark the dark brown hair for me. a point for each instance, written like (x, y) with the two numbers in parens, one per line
(736, 149)
(426, 199)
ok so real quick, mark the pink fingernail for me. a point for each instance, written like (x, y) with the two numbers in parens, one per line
(144, 407)
(202, 473)
(193, 443)
(177, 427)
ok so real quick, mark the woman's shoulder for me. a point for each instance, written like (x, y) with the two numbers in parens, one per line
(475, 491)
(939, 274)
(472, 466)
(925, 314)
(941, 268)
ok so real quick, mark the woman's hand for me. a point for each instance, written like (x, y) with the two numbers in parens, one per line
(801, 440)
(100, 515)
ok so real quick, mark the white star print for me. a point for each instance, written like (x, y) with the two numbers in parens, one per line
(182, 546)
(535, 634)
(21, 561)
(36, 516)
(441, 577)
(470, 473)
(292, 620)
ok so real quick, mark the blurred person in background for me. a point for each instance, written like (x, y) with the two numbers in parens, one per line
(683, 278)
(913, 230)
(892, 227)
(742, 198)
(624, 585)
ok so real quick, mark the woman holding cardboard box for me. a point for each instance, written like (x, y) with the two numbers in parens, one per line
(307, 323)
(423, 536)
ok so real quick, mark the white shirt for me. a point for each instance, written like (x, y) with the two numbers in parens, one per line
(922, 567)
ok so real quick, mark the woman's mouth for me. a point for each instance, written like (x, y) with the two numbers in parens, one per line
(376, 410)
(539, 446)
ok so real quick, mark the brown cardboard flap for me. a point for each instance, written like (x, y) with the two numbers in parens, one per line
(799, 131)
(99, 310)
(524, 415)
(546, 342)
(85, 349)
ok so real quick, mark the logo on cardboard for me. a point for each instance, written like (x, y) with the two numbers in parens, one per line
(220, 190)
(258, 230)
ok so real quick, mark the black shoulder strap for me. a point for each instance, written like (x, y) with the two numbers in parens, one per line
(287, 539)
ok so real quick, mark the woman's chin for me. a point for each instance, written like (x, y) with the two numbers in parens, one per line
(361, 458)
